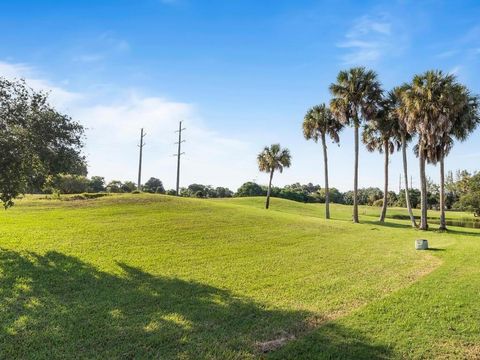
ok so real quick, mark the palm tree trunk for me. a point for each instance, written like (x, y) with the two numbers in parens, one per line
(327, 190)
(385, 188)
(423, 190)
(267, 204)
(405, 174)
(355, 177)
(443, 224)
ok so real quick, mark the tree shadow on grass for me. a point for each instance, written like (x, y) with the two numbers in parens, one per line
(56, 306)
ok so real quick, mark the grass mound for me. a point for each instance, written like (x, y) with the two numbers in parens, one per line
(152, 276)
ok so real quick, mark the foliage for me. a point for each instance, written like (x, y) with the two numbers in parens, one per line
(250, 189)
(96, 184)
(414, 195)
(154, 185)
(115, 186)
(66, 184)
(274, 158)
(470, 199)
(128, 186)
(36, 141)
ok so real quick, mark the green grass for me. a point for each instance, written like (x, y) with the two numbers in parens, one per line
(151, 276)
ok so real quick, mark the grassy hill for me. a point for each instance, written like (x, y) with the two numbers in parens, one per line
(151, 276)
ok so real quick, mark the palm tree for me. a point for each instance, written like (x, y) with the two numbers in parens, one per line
(356, 95)
(317, 124)
(398, 114)
(464, 118)
(427, 102)
(380, 134)
(270, 159)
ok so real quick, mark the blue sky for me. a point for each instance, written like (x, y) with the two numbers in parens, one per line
(241, 74)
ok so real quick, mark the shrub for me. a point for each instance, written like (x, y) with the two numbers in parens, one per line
(66, 184)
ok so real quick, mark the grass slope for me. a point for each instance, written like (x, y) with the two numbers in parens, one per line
(149, 276)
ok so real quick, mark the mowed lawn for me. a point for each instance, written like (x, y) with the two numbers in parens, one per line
(151, 276)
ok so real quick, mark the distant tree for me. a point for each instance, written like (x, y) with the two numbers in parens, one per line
(223, 192)
(356, 94)
(114, 186)
(66, 184)
(96, 184)
(171, 192)
(154, 185)
(319, 123)
(414, 197)
(470, 199)
(270, 159)
(250, 189)
(128, 187)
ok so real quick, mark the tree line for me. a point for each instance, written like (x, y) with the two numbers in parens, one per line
(432, 111)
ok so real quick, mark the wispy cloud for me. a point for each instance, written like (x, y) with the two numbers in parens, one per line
(58, 95)
(369, 39)
(100, 48)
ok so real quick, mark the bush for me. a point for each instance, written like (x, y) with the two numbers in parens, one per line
(96, 184)
(154, 185)
(66, 184)
(250, 189)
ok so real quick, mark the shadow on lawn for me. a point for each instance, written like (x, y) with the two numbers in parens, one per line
(56, 306)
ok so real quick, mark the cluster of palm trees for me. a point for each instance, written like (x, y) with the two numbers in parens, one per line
(434, 109)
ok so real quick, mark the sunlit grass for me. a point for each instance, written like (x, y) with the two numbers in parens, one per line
(150, 276)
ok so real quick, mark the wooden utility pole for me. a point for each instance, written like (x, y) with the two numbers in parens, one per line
(179, 154)
(141, 145)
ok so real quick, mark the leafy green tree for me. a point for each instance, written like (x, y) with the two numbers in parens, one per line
(114, 186)
(223, 192)
(270, 159)
(250, 189)
(154, 185)
(96, 184)
(356, 95)
(319, 123)
(128, 187)
(470, 199)
(413, 196)
(66, 184)
(36, 141)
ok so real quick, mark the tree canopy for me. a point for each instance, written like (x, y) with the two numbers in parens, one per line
(36, 141)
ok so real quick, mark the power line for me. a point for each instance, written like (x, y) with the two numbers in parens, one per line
(141, 145)
(179, 154)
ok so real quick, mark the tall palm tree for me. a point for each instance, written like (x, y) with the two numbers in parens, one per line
(380, 134)
(464, 118)
(397, 114)
(270, 159)
(427, 102)
(356, 95)
(317, 124)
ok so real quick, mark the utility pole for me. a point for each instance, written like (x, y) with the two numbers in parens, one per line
(141, 145)
(179, 154)
(400, 184)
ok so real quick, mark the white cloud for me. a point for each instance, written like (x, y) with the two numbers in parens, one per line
(58, 95)
(113, 130)
(369, 39)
